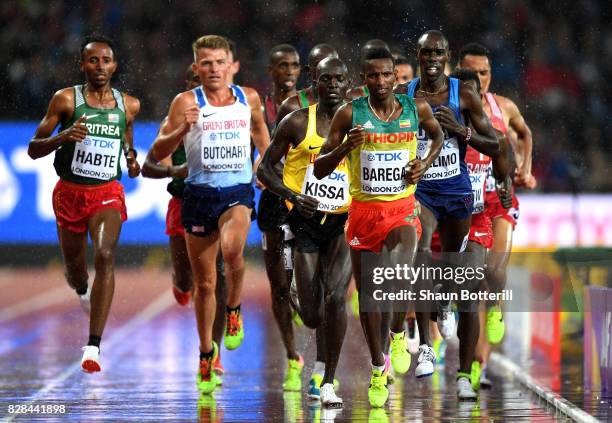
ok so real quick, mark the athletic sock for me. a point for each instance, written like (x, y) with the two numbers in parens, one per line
(94, 340)
(82, 291)
(229, 309)
(205, 356)
(319, 368)
(463, 374)
(380, 368)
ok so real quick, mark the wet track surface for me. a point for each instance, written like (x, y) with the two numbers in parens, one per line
(149, 360)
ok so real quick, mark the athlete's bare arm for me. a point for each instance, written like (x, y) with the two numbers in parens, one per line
(483, 137)
(259, 130)
(61, 108)
(416, 167)
(290, 104)
(524, 138)
(288, 134)
(183, 114)
(334, 149)
(132, 108)
(163, 168)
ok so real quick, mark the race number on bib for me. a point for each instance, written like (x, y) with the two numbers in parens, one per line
(478, 184)
(447, 163)
(384, 172)
(96, 157)
(331, 191)
(225, 151)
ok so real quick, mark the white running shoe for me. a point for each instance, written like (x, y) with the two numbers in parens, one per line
(465, 392)
(329, 397)
(446, 318)
(85, 300)
(427, 360)
(413, 336)
(90, 363)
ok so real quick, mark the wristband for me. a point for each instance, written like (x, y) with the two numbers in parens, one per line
(468, 136)
(126, 152)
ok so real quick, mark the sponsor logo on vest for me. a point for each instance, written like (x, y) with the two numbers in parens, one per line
(368, 125)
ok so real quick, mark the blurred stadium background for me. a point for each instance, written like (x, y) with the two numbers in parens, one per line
(554, 59)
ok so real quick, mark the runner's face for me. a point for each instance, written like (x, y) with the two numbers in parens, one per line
(98, 64)
(432, 55)
(212, 66)
(285, 70)
(192, 82)
(482, 67)
(404, 73)
(379, 76)
(332, 85)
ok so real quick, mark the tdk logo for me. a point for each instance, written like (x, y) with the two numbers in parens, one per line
(385, 157)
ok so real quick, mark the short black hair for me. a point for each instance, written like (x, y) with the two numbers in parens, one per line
(281, 48)
(97, 38)
(402, 60)
(466, 75)
(474, 49)
(232, 48)
(377, 53)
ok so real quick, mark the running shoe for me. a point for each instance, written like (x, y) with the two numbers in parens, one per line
(464, 389)
(90, 363)
(314, 390)
(439, 346)
(329, 397)
(400, 359)
(485, 382)
(426, 360)
(413, 336)
(181, 297)
(495, 325)
(446, 317)
(218, 369)
(293, 377)
(207, 379)
(475, 373)
(234, 330)
(378, 393)
(85, 301)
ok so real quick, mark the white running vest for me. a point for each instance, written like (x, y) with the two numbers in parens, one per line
(218, 147)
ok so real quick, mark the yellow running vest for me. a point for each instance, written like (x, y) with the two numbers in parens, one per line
(331, 191)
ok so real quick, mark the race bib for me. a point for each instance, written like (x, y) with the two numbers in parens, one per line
(446, 164)
(478, 185)
(490, 179)
(331, 191)
(225, 151)
(96, 157)
(383, 172)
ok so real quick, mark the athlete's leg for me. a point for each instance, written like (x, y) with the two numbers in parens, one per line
(279, 287)
(401, 244)
(181, 269)
(202, 256)
(371, 320)
(308, 276)
(234, 226)
(424, 309)
(74, 252)
(338, 274)
(104, 229)
(221, 297)
(497, 260)
(468, 326)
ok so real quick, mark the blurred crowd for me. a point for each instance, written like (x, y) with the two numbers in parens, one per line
(554, 59)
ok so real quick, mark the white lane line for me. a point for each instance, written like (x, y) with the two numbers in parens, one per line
(160, 304)
(558, 402)
(42, 300)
